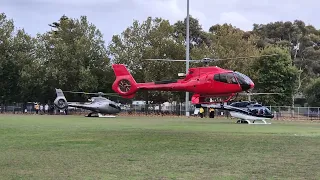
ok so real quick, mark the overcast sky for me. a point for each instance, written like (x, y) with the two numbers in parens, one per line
(113, 16)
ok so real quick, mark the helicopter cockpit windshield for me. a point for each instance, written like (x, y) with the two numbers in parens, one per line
(259, 110)
(243, 79)
(226, 78)
(235, 78)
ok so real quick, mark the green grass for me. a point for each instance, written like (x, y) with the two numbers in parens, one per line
(75, 147)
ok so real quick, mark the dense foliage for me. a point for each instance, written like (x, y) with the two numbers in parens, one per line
(72, 55)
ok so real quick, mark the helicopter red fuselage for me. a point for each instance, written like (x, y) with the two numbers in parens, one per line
(203, 81)
(198, 80)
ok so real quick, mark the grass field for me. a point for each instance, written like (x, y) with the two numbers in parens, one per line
(75, 147)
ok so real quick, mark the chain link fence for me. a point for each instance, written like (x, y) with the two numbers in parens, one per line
(280, 112)
(296, 113)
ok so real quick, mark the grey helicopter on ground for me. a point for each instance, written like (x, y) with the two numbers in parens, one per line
(99, 106)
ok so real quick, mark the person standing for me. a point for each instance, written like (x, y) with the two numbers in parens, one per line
(36, 107)
(41, 109)
(211, 112)
(46, 108)
(201, 112)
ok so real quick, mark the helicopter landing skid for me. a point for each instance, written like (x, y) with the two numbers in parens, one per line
(201, 99)
(105, 116)
(246, 121)
(99, 115)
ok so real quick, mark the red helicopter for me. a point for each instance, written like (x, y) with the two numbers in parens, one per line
(203, 82)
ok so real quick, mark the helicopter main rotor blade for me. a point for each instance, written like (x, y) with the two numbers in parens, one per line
(111, 94)
(245, 57)
(209, 59)
(77, 92)
(258, 93)
(98, 93)
(181, 60)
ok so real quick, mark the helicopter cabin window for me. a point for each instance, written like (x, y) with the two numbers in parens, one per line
(226, 78)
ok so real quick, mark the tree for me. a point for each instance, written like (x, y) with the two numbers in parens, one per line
(7, 66)
(312, 93)
(197, 35)
(153, 38)
(75, 57)
(302, 40)
(72, 56)
(25, 55)
(231, 42)
(16, 50)
(275, 74)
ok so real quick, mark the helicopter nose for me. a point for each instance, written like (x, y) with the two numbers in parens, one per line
(247, 86)
(119, 109)
(251, 85)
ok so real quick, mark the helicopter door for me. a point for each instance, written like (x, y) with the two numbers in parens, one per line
(238, 81)
(210, 81)
(228, 78)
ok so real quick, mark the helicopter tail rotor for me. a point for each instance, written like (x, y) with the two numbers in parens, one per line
(60, 102)
(124, 85)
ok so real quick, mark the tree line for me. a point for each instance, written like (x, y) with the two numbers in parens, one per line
(72, 55)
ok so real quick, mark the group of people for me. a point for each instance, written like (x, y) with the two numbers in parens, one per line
(42, 109)
(211, 112)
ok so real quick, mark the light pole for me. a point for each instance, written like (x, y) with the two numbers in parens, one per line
(187, 57)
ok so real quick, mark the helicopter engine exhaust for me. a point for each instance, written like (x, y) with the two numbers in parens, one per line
(124, 85)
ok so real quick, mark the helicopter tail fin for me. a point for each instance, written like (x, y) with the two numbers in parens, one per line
(124, 85)
(60, 102)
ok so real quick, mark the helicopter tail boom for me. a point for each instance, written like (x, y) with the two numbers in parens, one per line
(125, 85)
